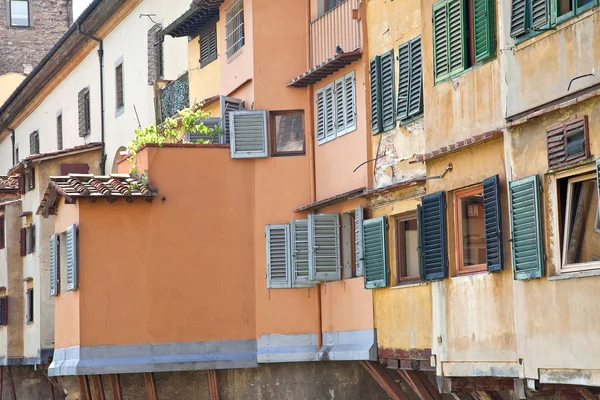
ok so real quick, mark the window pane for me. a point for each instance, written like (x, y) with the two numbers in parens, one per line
(19, 13)
(289, 135)
(472, 230)
(583, 241)
(581, 3)
(410, 246)
(564, 7)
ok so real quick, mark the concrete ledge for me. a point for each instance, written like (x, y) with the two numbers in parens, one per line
(193, 356)
(287, 348)
(349, 346)
(472, 369)
(585, 377)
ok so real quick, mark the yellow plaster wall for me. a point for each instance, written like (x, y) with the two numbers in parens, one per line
(204, 82)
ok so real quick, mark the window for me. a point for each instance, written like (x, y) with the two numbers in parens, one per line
(85, 125)
(410, 81)
(234, 27)
(383, 108)
(463, 35)
(2, 232)
(336, 109)
(287, 132)
(208, 46)
(120, 99)
(155, 54)
(3, 308)
(568, 143)
(59, 131)
(30, 239)
(29, 295)
(34, 142)
(17, 154)
(328, 5)
(407, 256)
(19, 13)
(469, 230)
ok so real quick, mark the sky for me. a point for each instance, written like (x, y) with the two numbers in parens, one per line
(78, 7)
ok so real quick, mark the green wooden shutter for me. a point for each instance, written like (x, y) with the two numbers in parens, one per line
(415, 104)
(404, 69)
(518, 23)
(376, 266)
(350, 97)
(484, 26)
(526, 228)
(457, 56)
(300, 254)
(539, 13)
(388, 95)
(72, 257)
(340, 107)
(249, 134)
(320, 100)
(278, 256)
(375, 77)
(433, 236)
(54, 257)
(324, 254)
(440, 40)
(420, 241)
(359, 246)
(493, 223)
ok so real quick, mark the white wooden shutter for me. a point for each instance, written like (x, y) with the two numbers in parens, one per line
(228, 104)
(54, 256)
(340, 107)
(248, 134)
(329, 112)
(300, 254)
(320, 120)
(72, 257)
(359, 248)
(278, 256)
(324, 238)
(350, 101)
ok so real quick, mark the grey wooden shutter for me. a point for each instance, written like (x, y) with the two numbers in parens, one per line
(350, 101)
(54, 257)
(249, 134)
(154, 54)
(359, 245)
(403, 80)
(440, 40)
(82, 113)
(432, 226)
(329, 95)
(208, 46)
(388, 95)
(518, 23)
(539, 13)
(34, 142)
(340, 106)
(211, 123)
(71, 247)
(228, 104)
(415, 105)
(376, 263)
(324, 238)
(375, 91)
(59, 132)
(526, 228)
(278, 256)
(320, 120)
(493, 223)
(300, 254)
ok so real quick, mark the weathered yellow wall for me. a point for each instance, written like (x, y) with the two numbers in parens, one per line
(204, 82)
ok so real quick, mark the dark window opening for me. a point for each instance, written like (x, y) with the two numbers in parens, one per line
(407, 256)
(119, 86)
(59, 132)
(287, 132)
(29, 305)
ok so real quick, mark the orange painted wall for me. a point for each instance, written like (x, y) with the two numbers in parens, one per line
(238, 68)
(346, 305)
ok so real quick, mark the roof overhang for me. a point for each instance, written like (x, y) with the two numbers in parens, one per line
(329, 67)
(193, 20)
(37, 158)
(339, 198)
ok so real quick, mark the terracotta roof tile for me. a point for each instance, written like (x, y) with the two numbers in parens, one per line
(8, 183)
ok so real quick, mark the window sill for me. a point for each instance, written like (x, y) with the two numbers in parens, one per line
(574, 274)
(235, 55)
(119, 111)
(409, 284)
(411, 119)
(465, 71)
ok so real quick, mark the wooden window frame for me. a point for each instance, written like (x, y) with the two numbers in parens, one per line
(563, 126)
(273, 133)
(10, 18)
(458, 196)
(399, 240)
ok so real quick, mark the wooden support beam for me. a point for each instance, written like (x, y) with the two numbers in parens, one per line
(84, 387)
(415, 383)
(150, 386)
(51, 389)
(586, 394)
(115, 387)
(213, 385)
(477, 384)
(384, 379)
(98, 387)
(11, 384)
(1, 381)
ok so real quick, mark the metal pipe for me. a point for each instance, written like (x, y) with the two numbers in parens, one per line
(579, 77)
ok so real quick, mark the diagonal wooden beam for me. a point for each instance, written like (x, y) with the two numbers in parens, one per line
(11, 384)
(98, 387)
(150, 386)
(84, 387)
(384, 379)
(430, 387)
(213, 385)
(115, 387)
(586, 394)
(415, 384)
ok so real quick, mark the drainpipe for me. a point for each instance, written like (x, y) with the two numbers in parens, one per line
(12, 139)
(101, 61)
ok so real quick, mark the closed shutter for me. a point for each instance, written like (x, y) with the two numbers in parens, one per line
(59, 132)
(388, 95)
(4, 311)
(375, 91)
(81, 108)
(493, 223)
(432, 225)
(359, 245)
(23, 241)
(457, 57)
(34, 143)
(376, 267)
(598, 180)
(32, 239)
(228, 104)
(54, 257)
(555, 142)
(484, 26)
(567, 143)
(440, 40)
(71, 251)
(300, 254)
(518, 25)
(324, 238)
(210, 123)
(154, 54)
(21, 181)
(340, 107)
(208, 47)
(248, 134)
(526, 228)
(320, 100)
(403, 80)
(350, 96)
(31, 179)
(415, 105)
(539, 13)
(2, 233)
(278, 256)
(329, 96)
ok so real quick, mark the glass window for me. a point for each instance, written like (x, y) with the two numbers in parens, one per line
(470, 230)
(287, 132)
(19, 13)
(407, 256)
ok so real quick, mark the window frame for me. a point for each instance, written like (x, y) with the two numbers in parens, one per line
(10, 18)
(235, 9)
(119, 88)
(273, 133)
(458, 196)
(323, 92)
(402, 277)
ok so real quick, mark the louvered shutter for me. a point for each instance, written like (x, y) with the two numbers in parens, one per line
(154, 54)
(320, 100)
(211, 123)
(208, 47)
(278, 256)
(526, 228)
(249, 134)
(493, 223)
(300, 254)
(54, 256)
(539, 13)
(228, 104)
(376, 267)
(518, 24)
(71, 251)
(415, 105)
(4, 311)
(81, 111)
(457, 57)
(388, 95)
(567, 143)
(34, 143)
(555, 142)
(340, 107)
(32, 239)
(350, 101)
(329, 96)
(404, 70)
(432, 226)
(21, 181)
(483, 26)
(440, 40)
(31, 179)
(2, 233)
(23, 241)
(375, 90)
(359, 244)
(324, 253)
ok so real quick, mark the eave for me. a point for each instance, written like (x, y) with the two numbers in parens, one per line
(194, 19)
(329, 67)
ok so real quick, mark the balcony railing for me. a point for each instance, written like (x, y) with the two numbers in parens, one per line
(338, 27)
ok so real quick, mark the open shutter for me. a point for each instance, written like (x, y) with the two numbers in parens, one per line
(71, 257)
(415, 105)
(493, 223)
(340, 107)
(483, 26)
(375, 77)
(23, 241)
(324, 237)
(526, 228)
(21, 181)
(81, 112)
(539, 13)
(440, 40)
(457, 57)
(320, 100)
(54, 256)
(228, 104)
(211, 123)
(329, 95)
(359, 245)
(31, 179)
(388, 95)
(376, 267)
(278, 256)
(433, 232)
(350, 99)
(2, 232)
(249, 134)
(300, 250)
(420, 241)
(403, 80)
(518, 25)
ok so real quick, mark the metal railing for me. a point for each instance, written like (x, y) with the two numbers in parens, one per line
(337, 27)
